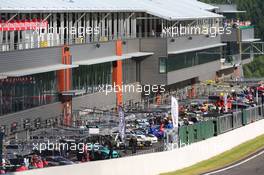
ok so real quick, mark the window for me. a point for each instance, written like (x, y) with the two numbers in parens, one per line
(162, 65)
(185, 60)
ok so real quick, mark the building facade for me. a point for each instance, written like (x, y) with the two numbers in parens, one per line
(63, 51)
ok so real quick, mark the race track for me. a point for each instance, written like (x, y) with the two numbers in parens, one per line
(251, 166)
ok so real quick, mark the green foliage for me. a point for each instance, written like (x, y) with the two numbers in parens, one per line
(255, 12)
(255, 68)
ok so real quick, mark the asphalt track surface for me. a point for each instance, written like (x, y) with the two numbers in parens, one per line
(253, 165)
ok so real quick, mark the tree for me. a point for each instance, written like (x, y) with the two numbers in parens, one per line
(254, 12)
(255, 68)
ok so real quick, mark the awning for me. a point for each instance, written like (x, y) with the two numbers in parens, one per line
(137, 54)
(73, 92)
(175, 10)
(250, 40)
(232, 11)
(37, 70)
(196, 48)
(112, 58)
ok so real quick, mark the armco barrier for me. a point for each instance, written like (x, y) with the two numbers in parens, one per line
(197, 132)
(245, 114)
(205, 130)
(224, 123)
(252, 114)
(190, 134)
(183, 135)
(219, 125)
(237, 119)
(259, 113)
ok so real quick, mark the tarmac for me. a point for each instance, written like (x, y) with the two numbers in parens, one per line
(253, 165)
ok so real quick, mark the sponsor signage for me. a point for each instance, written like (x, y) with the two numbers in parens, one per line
(21, 25)
(174, 112)
(94, 131)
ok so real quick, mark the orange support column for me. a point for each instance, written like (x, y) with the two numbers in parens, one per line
(117, 73)
(237, 72)
(64, 84)
(193, 91)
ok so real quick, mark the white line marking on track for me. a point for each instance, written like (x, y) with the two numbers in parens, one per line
(236, 165)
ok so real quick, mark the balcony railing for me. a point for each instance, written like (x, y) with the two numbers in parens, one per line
(40, 43)
(230, 61)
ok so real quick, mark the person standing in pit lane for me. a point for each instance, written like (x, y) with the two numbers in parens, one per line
(262, 99)
(2, 167)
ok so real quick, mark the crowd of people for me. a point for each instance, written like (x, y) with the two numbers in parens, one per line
(23, 164)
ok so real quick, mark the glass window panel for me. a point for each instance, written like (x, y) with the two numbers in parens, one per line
(163, 65)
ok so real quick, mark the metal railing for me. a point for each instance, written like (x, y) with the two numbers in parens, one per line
(46, 43)
(230, 61)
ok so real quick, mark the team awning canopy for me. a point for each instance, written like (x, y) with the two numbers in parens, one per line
(36, 70)
(197, 48)
(112, 58)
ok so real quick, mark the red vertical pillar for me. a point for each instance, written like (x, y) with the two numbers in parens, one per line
(117, 73)
(193, 90)
(64, 84)
(237, 72)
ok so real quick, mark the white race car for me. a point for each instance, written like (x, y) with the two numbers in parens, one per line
(152, 138)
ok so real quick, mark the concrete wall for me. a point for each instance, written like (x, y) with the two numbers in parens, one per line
(98, 100)
(203, 72)
(149, 67)
(230, 38)
(25, 59)
(101, 100)
(90, 51)
(156, 163)
(16, 60)
(183, 43)
(129, 71)
(131, 45)
(10, 61)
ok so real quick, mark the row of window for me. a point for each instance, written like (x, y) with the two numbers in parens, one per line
(185, 60)
(17, 94)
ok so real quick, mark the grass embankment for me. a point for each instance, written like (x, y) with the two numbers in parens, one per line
(238, 153)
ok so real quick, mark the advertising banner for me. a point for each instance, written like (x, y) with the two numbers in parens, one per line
(21, 25)
(174, 112)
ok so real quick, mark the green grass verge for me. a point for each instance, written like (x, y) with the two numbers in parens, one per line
(224, 159)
